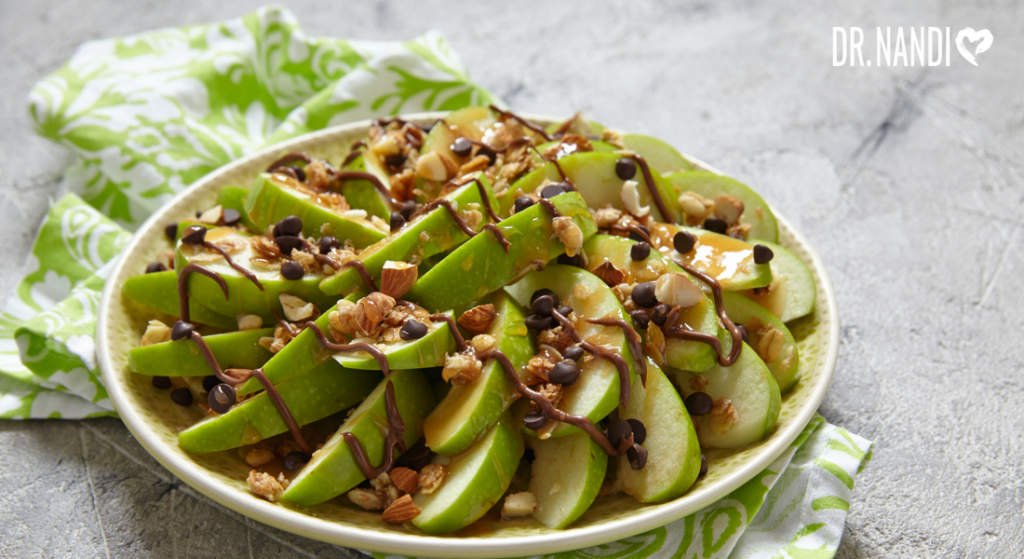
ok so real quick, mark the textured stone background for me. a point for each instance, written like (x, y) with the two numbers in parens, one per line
(908, 181)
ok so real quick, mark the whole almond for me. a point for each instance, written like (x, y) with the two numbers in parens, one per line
(397, 278)
(405, 479)
(477, 319)
(401, 511)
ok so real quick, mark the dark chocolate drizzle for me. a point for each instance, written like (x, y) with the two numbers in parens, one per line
(460, 342)
(632, 339)
(653, 188)
(361, 270)
(613, 356)
(509, 114)
(377, 354)
(288, 159)
(383, 189)
(684, 333)
(550, 206)
(462, 224)
(352, 156)
(392, 440)
(183, 312)
(234, 265)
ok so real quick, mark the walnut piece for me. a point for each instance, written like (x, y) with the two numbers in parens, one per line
(343, 318)
(156, 332)
(770, 343)
(613, 137)
(462, 368)
(432, 477)
(483, 342)
(258, 457)
(371, 311)
(477, 319)
(568, 233)
(606, 217)
(366, 498)
(519, 504)
(264, 485)
(723, 415)
(317, 175)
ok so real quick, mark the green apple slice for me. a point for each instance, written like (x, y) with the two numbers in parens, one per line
(333, 469)
(362, 194)
(233, 197)
(481, 265)
(566, 476)
(243, 295)
(597, 391)
(729, 260)
(661, 157)
(469, 410)
(680, 354)
(232, 350)
(428, 351)
(427, 235)
(593, 173)
(754, 394)
(784, 365)
(326, 389)
(476, 480)
(569, 149)
(673, 451)
(792, 293)
(274, 197)
(756, 212)
(159, 291)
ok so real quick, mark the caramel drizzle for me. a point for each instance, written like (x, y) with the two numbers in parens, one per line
(183, 310)
(234, 265)
(632, 339)
(613, 356)
(483, 198)
(392, 440)
(288, 159)
(716, 344)
(509, 114)
(377, 354)
(653, 188)
(447, 204)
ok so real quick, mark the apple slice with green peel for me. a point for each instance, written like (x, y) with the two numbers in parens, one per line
(595, 178)
(274, 197)
(566, 476)
(428, 351)
(680, 354)
(428, 234)
(728, 260)
(362, 194)
(322, 391)
(159, 291)
(476, 480)
(754, 400)
(481, 265)
(570, 149)
(777, 349)
(232, 350)
(299, 355)
(333, 469)
(233, 197)
(469, 410)
(662, 157)
(792, 292)
(756, 212)
(673, 452)
(243, 295)
(597, 391)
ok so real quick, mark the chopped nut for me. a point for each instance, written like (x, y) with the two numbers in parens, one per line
(676, 290)
(613, 137)
(610, 274)
(728, 209)
(295, 309)
(631, 199)
(551, 392)
(266, 342)
(770, 344)
(461, 368)
(317, 175)
(397, 278)
(371, 311)
(519, 504)
(264, 485)
(698, 383)
(483, 342)
(258, 457)
(212, 216)
(472, 218)
(405, 479)
(401, 511)
(568, 233)
(741, 229)
(478, 163)
(264, 248)
(432, 477)
(581, 291)
(606, 217)
(366, 498)
(392, 335)
(354, 215)
(385, 146)
(156, 332)
(386, 488)
(656, 344)
(540, 365)
(557, 338)
(477, 319)
(723, 415)
(696, 208)
(277, 343)
(249, 322)
(436, 166)
(306, 260)
(343, 319)
(622, 292)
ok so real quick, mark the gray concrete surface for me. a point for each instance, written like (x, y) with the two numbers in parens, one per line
(908, 181)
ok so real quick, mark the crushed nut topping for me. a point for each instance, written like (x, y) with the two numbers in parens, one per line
(277, 343)
(432, 477)
(371, 311)
(318, 175)
(723, 415)
(156, 332)
(631, 199)
(462, 368)
(436, 166)
(696, 208)
(258, 457)
(613, 137)
(656, 344)
(519, 504)
(366, 498)
(264, 485)
(568, 233)
(770, 342)
(677, 290)
(483, 342)
(249, 322)
(295, 309)
(606, 217)
(698, 383)
(557, 338)
(727, 208)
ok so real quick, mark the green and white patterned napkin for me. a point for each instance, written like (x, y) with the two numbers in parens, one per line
(147, 115)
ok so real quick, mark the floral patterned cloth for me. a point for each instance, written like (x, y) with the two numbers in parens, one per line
(147, 115)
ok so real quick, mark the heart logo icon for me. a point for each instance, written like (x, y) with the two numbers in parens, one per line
(983, 38)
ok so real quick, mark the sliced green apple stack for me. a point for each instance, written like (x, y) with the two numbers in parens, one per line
(232, 350)
(159, 291)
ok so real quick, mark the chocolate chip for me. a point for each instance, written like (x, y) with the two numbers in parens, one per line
(743, 333)
(181, 330)
(491, 156)
(461, 147)
(618, 429)
(535, 420)
(541, 292)
(171, 231)
(551, 190)
(565, 186)
(209, 381)
(637, 456)
(683, 242)
(640, 318)
(542, 305)
(625, 168)
(660, 314)
(699, 403)
(287, 244)
(643, 295)
(292, 270)
(522, 203)
(409, 208)
(199, 214)
(154, 267)
(163, 383)
(290, 226)
(715, 225)
(194, 235)
(640, 251)
(412, 330)
(639, 430)
(300, 173)
(181, 396)
(221, 398)
(573, 352)
(397, 221)
(565, 372)
(737, 236)
(295, 460)
(231, 216)
(327, 243)
(571, 260)
(564, 310)
(703, 465)
(762, 254)
(538, 322)
(395, 160)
